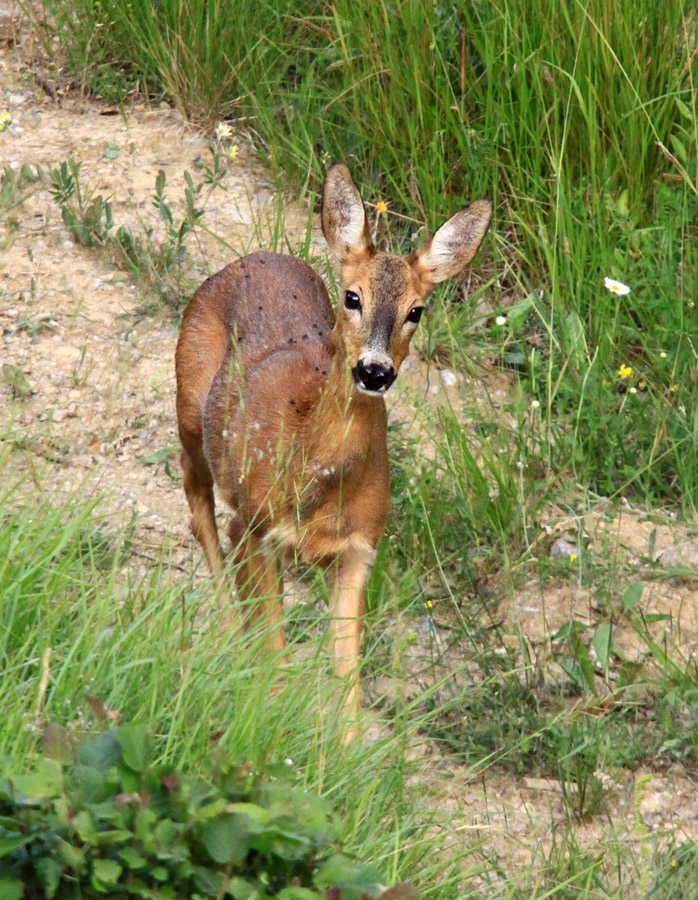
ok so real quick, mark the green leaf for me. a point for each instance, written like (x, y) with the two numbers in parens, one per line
(102, 753)
(257, 814)
(632, 596)
(134, 746)
(683, 109)
(73, 857)
(159, 456)
(11, 889)
(44, 783)
(85, 827)
(132, 858)
(298, 893)
(226, 839)
(603, 644)
(105, 874)
(48, 872)
(11, 841)
(352, 878)
(55, 742)
(568, 630)
(207, 881)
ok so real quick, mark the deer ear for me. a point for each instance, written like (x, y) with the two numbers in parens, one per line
(344, 221)
(452, 247)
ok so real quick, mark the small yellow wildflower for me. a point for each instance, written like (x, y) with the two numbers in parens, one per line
(605, 383)
(382, 207)
(5, 120)
(233, 152)
(625, 371)
(674, 863)
(674, 388)
(641, 383)
(429, 604)
(573, 556)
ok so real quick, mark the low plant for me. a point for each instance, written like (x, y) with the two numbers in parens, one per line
(103, 819)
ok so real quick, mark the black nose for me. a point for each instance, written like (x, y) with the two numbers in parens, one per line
(372, 376)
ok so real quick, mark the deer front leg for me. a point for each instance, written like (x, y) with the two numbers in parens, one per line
(260, 585)
(347, 606)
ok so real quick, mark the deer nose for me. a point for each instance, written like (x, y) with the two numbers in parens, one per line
(373, 377)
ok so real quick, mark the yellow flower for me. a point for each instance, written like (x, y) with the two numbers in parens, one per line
(429, 604)
(674, 388)
(573, 556)
(625, 371)
(5, 120)
(674, 863)
(382, 207)
(233, 152)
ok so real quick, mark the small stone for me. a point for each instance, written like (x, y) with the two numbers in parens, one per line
(678, 556)
(561, 548)
(448, 377)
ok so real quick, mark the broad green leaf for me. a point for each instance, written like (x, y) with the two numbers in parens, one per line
(134, 746)
(102, 753)
(569, 629)
(11, 841)
(258, 814)
(632, 596)
(44, 783)
(132, 858)
(226, 839)
(105, 874)
(603, 644)
(207, 881)
(354, 879)
(73, 857)
(49, 872)
(11, 889)
(55, 742)
(298, 893)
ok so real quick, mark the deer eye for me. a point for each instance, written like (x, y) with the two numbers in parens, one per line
(415, 314)
(351, 300)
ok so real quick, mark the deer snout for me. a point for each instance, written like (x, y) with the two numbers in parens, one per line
(373, 377)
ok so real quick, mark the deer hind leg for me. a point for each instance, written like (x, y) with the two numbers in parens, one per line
(198, 486)
(260, 584)
(347, 607)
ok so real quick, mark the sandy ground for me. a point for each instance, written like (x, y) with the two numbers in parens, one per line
(100, 398)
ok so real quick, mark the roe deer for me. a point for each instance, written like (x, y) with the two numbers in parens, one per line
(280, 403)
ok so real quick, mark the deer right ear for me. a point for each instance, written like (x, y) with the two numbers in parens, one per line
(344, 221)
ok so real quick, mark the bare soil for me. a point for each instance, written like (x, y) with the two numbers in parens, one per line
(100, 403)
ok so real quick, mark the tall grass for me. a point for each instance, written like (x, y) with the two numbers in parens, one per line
(578, 118)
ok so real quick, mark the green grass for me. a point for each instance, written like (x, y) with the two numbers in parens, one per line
(578, 118)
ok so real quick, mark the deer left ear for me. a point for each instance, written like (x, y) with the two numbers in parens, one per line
(453, 246)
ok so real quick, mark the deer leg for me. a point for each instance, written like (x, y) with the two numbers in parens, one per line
(198, 486)
(260, 585)
(347, 607)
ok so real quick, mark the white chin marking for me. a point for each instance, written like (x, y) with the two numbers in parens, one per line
(363, 390)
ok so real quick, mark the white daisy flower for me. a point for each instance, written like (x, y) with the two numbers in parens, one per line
(223, 130)
(501, 320)
(616, 287)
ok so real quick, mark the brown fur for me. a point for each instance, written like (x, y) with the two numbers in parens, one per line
(267, 408)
